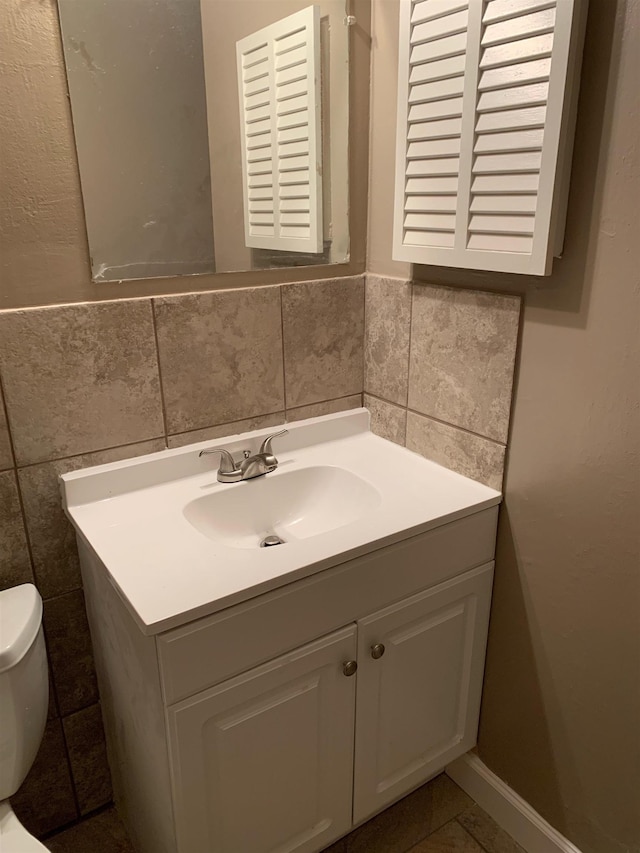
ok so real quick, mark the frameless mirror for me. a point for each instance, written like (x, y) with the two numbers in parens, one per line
(212, 135)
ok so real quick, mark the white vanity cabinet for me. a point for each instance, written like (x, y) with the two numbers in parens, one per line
(265, 761)
(268, 701)
(249, 731)
(281, 723)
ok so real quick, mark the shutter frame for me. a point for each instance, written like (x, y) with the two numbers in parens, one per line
(518, 165)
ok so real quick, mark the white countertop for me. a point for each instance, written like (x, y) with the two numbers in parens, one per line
(168, 573)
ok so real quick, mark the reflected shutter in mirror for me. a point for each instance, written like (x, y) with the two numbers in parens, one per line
(279, 88)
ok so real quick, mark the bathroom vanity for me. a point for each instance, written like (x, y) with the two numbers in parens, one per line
(271, 699)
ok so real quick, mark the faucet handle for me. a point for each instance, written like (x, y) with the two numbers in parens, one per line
(266, 444)
(227, 465)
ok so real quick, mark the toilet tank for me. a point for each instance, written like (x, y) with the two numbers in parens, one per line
(24, 684)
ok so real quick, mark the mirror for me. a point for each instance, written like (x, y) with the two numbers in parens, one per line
(212, 135)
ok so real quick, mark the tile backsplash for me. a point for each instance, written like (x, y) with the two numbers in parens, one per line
(323, 325)
(85, 384)
(220, 356)
(463, 346)
(439, 366)
(79, 378)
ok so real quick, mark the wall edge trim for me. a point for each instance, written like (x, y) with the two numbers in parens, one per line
(509, 810)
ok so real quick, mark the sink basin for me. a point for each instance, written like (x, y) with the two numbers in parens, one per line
(291, 505)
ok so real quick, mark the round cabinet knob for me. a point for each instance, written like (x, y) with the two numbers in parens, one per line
(377, 651)
(349, 667)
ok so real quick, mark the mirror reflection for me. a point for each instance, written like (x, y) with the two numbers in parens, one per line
(212, 135)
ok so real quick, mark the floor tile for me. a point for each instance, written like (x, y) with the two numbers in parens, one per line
(339, 847)
(103, 833)
(451, 838)
(410, 820)
(487, 832)
(437, 818)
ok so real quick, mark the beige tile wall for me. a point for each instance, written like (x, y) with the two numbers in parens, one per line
(90, 383)
(439, 365)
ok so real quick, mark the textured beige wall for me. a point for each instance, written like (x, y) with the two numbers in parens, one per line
(44, 258)
(382, 138)
(561, 703)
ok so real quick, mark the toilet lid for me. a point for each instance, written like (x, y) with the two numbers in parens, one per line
(14, 838)
(20, 616)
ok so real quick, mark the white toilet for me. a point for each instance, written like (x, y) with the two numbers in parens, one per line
(24, 697)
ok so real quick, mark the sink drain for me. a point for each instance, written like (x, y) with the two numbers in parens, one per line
(270, 541)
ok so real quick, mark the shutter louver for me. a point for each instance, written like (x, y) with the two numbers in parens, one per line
(279, 92)
(482, 120)
(436, 83)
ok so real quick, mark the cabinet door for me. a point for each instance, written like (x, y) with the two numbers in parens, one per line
(263, 763)
(418, 704)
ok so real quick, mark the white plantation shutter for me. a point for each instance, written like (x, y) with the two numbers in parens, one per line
(486, 105)
(280, 128)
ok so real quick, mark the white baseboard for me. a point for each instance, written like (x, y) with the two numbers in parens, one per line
(508, 809)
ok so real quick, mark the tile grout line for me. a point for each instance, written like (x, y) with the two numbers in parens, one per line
(90, 452)
(76, 799)
(284, 361)
(5, 409)
(460, 428)
(438, 420)
(25, 526)
(28, 465)
(515, 377)
(29, 547)
(327, 400)
(453, 819)
(23, 514)
(406, 420)
(252, 417)
(163, 405)
(472, 836)
(54, 833)
(223, 424)
(365, 280)
(62, 717)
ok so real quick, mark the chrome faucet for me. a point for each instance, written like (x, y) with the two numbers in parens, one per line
(261, 463)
